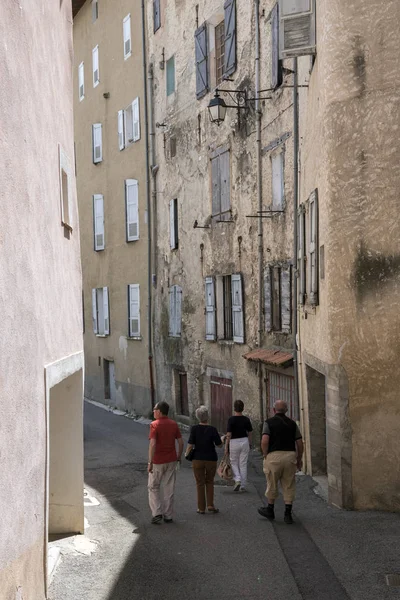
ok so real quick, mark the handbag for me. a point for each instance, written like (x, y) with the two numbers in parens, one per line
(224, 468)
(190, 454)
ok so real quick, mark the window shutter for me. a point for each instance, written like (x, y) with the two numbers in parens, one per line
(296, 28)
(230, 37)
(276, 63)
(121, 136)
(313, 249)
(98, 211)
(94, 311)
(172, 311)
(95, 59)
(178, 308)
(210, 309)
(127, 36)
(97, 143)
(81, 80)
(237, 309)
(106, 312)
(200, 38)
(277, 180)
(216, 186)
(156, 15)
(225, 182)
(301, 255)
(134, 310)
(172, 224)
(267, 299)
(136, 120)
(132, 210)
(286, 298)
(95, 10)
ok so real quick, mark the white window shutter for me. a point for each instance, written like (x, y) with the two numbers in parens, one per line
(267, 299)
(127, 37)
(178, 308)
(97, 143)
(132, 210)
(172, 238)
(277, 180)
(95, 63)
(98, 218)
(121, 130)
(237, 309)
(94, 311)
(172, 311)
(301, 267)
(297, 35)
(286, 298)
(313, 247)
(210, 309)
(134, 310)
(95, 10)
(81, 81)
(106, 311)
(136, 120)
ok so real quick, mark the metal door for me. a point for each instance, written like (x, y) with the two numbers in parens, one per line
(221, 402)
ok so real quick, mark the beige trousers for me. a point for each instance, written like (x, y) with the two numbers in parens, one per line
(161, 486)
(281, 467)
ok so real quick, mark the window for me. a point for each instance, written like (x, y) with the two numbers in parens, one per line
(95, 10)
(101, 319)
(210, 310)
(97, 143)
(134, 310)
(172, 146)
(81, 80)
(65, 190)
(173, 223)
(132, 123)
(156, 15)
(98, 221)
(220, 52)
(301, 254)
(278, 297)
(127, 37)
(95, 64)
(221, 185)
(228, 308)
(175, 311)
(121, 130)
(296, 27)
(313, 246)
(278, 189)
(276, 63)
(171, 76)
(132, 210)
(182, 399)
(281, 387)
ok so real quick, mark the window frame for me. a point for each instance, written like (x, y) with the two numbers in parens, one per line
(175, 311)
(170, 90)
(97, 231)
(136, 313)
(97, 136)
(101, 311)
(65, 194)
(95, 10)
(127, 29)
(173, 224)
(219, 46)
(135, 185)
(81, 81)
(278, 156)
(96, 63)
(156, 15)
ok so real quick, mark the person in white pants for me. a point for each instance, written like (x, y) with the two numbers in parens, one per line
(238, 440)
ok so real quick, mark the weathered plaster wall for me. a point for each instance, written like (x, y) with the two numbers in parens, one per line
(40, 274)
(121, 263)
(351, 155)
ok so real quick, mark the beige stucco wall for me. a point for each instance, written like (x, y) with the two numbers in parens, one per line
(40, 273)
(351, 154)
(187, 178)
(121, 263)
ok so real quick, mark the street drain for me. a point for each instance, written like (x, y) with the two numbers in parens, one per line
(393, 579)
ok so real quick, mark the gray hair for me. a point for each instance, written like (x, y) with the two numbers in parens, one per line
(281, 406)
(202, 414)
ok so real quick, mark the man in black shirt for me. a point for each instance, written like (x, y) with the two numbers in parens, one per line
(282, 448)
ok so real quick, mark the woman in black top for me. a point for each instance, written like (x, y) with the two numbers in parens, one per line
(238, 438)
(204, 438)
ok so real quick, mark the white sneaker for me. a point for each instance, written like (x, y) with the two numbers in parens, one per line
(237, 486)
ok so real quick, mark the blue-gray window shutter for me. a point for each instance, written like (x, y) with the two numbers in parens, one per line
(156, 15)
(276, 72)
(200, 40)
(286, 298)
(230, 37)
(267, 299)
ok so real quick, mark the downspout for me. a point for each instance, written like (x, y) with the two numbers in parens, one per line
(149, 212)
(259, 204)
(295, 208)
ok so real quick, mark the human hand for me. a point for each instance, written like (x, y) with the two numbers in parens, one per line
(299, 464)
(150, 467)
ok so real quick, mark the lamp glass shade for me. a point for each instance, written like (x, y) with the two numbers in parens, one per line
(217, 109)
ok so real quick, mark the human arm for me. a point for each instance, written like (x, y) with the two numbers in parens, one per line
(265, 444)
(180, 448)
(217, 439)
(152, 448)
(299, 453)
(250, 432)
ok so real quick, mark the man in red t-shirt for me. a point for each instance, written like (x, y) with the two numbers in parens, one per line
(162, 463)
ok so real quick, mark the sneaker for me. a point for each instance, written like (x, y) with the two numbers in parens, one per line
(267, 512)
(288, 518)
(157, 519)
(237, 486)
(242, 489)
(167, 520)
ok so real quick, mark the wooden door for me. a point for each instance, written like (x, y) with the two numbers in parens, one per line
(221, 402)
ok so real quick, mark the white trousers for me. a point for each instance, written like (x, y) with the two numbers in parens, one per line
(239, 454)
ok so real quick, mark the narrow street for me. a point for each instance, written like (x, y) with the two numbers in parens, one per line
(327, 554)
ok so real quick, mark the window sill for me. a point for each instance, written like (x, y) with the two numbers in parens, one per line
(226, 342)
(66, 226)
(135, 338)
(102, 335)
(175, 337)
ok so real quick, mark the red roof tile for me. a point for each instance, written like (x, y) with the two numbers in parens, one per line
(277, 358)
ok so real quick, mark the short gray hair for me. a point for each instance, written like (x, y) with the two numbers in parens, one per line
(202, 414)
(281, 406)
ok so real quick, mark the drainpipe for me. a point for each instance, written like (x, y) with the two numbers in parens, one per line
(259, 203)
(149, 213)
(295, 207)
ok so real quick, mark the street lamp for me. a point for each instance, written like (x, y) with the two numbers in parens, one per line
(217, 109)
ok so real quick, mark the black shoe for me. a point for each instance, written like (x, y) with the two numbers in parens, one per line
(288, 518)
(167, 520)
(267, 512)
(157, 519)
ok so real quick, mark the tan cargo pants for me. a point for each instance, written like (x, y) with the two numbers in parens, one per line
(161, 501)
(280, 467)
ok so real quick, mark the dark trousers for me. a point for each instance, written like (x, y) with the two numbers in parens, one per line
(204, 473)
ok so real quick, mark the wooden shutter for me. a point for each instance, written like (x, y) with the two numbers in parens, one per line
(237, 309)
(210, 309)
(276, 63)
(135, 120)
(97, 143)
(178, 306)
(301, 267)
(94, 311)
(127, 36)
(172, 311)
(286, 298)
(121, 133)
(134, 310)
(277, 180)
(225, 183)
(156, 15)
(230, 37)
(132, 210)
(98, 218)
(96, 72)
(216, 186)
(200, 38)
(296, 28)
(106, 311)
(267, 299)
(313, 246)
(173, 223)
(81, 81)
